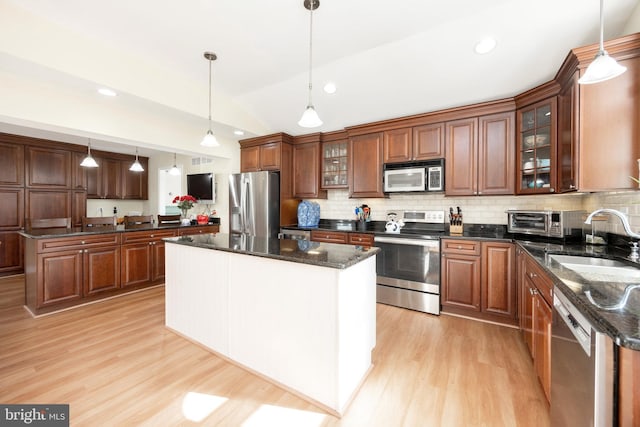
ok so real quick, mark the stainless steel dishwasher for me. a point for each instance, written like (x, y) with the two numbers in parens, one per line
(582, 369)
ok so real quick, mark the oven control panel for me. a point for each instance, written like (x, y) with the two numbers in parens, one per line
(430, 217)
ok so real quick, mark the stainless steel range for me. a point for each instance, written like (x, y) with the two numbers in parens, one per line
(408, 267)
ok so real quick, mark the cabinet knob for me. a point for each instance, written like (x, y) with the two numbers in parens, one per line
(80, 251)
(150, 243)
(459, 247)
(572, 187)
(82, 242)
(152, 236)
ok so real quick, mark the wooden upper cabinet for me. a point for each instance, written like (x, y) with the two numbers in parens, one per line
(270, 156)
(414, 144)
(496, 154)
(78, 173)
(398, 145)
(461, 157)
(306, 170)
(567, 139)
(135, 185)
(536, 162)
(11, 208)
(365, 165)
(11, 164)
(250, 159)
(428, 142)
(111, 178)
(48, 167)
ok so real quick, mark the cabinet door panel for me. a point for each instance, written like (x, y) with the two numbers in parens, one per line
(48, 204)
(48, 167)
(365, 166)
(496, 155)
(542, 316)
(397, 145)
(10, 252)
(94, 180)
(568, 121)
(306, 171)
(101, 270)
(461, 281)
(428, 142)
(157, 273)
(60, 278)
(11, 164)
(461, 157)
(11, 208)
(499, 292)
(270, 157)
(135, 184)
(136, 264)
(250, 159)
(112, 178)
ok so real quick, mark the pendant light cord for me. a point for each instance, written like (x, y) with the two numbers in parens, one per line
(601, 26)
(209, 95)
(310, 47)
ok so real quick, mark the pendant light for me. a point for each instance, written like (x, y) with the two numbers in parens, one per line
(209, 139)
(136, 166)
(89, 161)
(310, 118)
(174, 169)
(603, 66)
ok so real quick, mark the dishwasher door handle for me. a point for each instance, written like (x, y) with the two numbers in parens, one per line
(411, 242)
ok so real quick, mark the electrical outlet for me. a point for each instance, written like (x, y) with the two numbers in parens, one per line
(589, 238)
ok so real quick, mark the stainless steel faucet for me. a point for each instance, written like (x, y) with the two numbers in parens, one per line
(622, 216)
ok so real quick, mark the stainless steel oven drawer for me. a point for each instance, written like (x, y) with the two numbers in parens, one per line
(414, 300)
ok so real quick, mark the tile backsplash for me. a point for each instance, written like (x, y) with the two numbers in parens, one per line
(485, 209)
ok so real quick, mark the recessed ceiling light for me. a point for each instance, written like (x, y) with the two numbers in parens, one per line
(238, 132)
(330, 87)
(485, 45)
(107, 92)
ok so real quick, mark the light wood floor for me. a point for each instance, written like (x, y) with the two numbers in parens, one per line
(116, 365)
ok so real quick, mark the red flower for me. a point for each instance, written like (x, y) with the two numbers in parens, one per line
(185, 202)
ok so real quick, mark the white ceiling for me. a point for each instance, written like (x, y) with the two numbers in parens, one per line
(387, 58)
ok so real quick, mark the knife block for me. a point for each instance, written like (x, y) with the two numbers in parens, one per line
(455, 229)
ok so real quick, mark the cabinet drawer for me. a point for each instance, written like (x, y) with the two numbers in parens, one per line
(361, 239)
(145, 236)
(48, 245)
(540, 280)
(466, 247)
(329, 236)
(203, 229)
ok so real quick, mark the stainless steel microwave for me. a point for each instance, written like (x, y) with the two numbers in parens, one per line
(416, 176)
(561, 224)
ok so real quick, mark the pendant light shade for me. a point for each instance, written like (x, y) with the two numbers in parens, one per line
(136, 166)
(310, 117)
(209, 139)
(603, 66)
(174, 169)
(89, 161)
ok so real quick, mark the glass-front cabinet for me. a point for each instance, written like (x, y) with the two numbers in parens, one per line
(334, 164)
(537, 148)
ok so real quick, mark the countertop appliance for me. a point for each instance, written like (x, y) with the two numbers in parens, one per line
(408, 266)
(547, 223)
(582, 369)
(294, 234)
(254, 203)
(415, 176)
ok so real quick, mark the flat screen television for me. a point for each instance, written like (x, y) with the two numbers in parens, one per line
(202, 186)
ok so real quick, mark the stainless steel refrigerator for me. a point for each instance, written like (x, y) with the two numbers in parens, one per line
(254, 203)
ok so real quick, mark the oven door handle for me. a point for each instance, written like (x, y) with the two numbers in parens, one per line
(412, 242)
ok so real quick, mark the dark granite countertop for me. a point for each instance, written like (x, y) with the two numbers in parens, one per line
(302, 251)
(622, 325)
(46, 233)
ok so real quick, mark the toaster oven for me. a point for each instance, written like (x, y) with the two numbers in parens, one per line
(559, 224)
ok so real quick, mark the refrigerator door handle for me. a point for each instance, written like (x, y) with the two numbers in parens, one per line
(243, 204)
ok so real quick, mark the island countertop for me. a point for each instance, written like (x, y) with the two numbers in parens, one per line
(301, 251)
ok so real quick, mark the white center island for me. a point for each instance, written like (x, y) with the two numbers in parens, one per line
(301, 314)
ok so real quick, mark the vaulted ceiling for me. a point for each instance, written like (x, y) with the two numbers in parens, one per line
(387, 59)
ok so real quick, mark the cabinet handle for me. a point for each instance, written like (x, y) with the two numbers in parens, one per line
(150, 243)
(533, 291)
(459, 247)
(82, 242)
(572, 187)
(152, 236)
(80, 251)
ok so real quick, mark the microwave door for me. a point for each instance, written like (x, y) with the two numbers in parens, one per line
(409, 179)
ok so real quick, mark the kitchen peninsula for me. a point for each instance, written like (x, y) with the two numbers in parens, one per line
(299, 313)
(65, 267)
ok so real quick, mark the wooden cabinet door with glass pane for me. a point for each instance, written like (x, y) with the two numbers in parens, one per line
(334, 164)
(537, 148)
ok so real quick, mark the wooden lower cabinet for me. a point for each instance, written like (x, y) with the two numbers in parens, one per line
(628, 387)
(477, 279)
(10, 253)
(329, 236)
(101, 270)
(536, 293)
(60, 279)
(143, 257)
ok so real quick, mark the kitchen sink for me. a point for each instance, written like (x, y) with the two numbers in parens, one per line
(599, 269)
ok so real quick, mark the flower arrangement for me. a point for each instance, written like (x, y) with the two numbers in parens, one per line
(185, 203)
